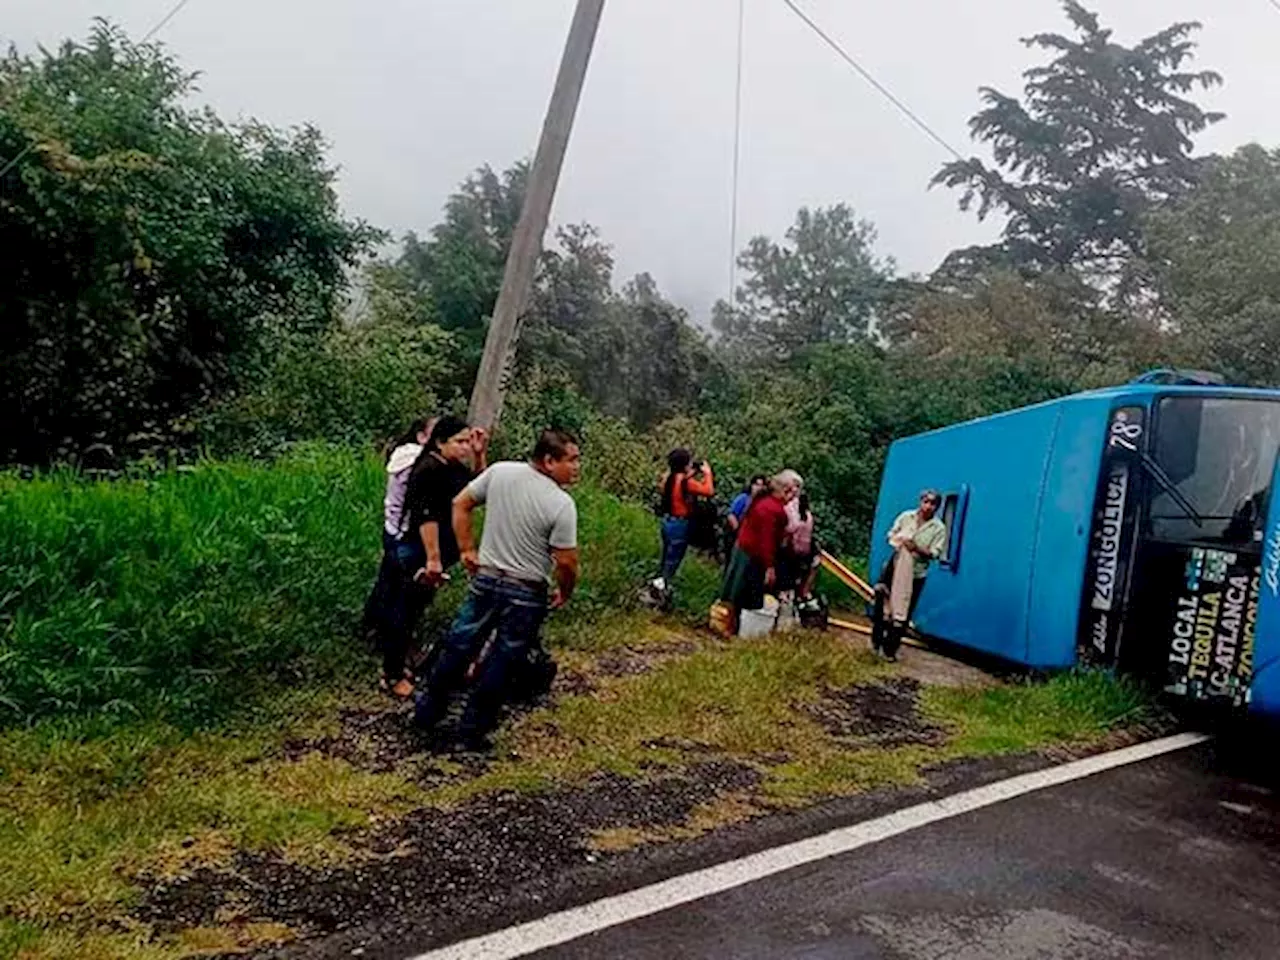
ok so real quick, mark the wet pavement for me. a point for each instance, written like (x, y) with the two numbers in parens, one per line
(1171, 857)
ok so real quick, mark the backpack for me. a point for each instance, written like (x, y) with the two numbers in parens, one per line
(704, 525)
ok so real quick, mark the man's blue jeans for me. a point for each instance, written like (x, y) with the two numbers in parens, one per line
(515, 610)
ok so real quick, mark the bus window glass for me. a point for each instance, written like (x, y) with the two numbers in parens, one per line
(949, 505)
(1219, 453)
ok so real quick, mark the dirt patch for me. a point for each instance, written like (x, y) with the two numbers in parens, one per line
(435, 857)
(623, 663)
(633, 661)
(884, 714)
(571, 683)
(377, 741)
(933, 669)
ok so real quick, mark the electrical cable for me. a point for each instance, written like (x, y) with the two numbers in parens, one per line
(737, 158)
(879, 87)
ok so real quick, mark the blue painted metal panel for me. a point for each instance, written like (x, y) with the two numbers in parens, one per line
(1029, 480)
(1266, 644)
(983, 603)
(1062, 539)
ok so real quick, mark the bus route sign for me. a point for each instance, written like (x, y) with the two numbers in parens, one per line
(1212, 626)
(1111, 537)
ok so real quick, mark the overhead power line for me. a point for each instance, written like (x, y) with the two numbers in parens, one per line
(1275, 3)
(160, 25)
(164, 21)
(880, 87)
(737, 157)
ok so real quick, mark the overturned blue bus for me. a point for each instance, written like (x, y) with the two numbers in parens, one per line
(1131, 527)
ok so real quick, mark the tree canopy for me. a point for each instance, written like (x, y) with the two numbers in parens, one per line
(1215, 258)
(151, 250)
(821, 286)
(169, 270)
(1103, 133)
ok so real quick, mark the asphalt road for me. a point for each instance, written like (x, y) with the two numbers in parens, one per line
(1166, 858)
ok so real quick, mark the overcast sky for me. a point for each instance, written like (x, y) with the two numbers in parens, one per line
(413, 94)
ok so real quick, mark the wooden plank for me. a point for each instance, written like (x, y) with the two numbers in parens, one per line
(847, 577)
(851, 625)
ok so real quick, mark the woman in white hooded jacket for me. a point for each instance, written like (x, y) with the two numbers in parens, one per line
(402, 456)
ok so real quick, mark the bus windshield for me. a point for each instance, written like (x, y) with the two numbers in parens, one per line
(1219, 454)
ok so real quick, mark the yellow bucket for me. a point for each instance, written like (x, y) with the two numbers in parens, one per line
(721, 619)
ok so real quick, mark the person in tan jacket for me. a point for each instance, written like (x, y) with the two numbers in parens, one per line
(918, 537)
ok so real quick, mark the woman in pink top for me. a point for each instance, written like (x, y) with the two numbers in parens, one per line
(799, 550)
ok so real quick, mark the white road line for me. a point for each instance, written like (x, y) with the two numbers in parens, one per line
(577, 922)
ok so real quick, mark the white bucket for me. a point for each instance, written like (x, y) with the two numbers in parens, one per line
(757, 623)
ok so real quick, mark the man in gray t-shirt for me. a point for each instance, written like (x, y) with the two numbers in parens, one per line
(530, 530)
(529, 518)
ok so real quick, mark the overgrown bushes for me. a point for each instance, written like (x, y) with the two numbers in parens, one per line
(353, 386)
(178, 591)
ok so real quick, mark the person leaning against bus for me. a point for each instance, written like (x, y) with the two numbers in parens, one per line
(921, 536)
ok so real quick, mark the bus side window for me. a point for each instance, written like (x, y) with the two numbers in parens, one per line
(954, 507)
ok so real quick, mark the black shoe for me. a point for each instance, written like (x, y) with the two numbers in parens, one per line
(425, 715)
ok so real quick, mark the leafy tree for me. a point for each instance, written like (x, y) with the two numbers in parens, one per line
(1215, 257)
(569, 308)
(460, 265)
(357, 385)
(393, 296)
(1103, 134)
(633, 354)
(821, 286)
(151, 251)
(653, 363)
(1042, 326)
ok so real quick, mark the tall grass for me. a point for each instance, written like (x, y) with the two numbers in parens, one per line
(180, 590)
(186, 591)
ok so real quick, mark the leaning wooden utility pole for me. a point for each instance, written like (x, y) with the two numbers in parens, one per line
(526, 242)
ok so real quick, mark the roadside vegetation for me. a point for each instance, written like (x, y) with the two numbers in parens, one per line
(190, 690)
(189, 517)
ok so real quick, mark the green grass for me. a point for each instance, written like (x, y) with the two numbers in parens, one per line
(183, 594)
(1068, 708)
(176, 594)
(84, 819)
(163, 638)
